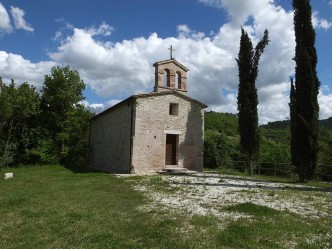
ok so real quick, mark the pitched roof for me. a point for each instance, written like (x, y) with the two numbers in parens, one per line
(171, 60)
(147, 95)
(174, 92)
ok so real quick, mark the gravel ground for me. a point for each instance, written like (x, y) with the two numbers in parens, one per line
(210, 193)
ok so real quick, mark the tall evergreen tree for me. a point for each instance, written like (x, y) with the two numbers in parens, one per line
(304, 106)
(292, 108)
(247, 96)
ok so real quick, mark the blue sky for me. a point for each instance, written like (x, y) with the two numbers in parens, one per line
(113, 45)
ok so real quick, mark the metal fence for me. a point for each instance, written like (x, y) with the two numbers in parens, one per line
(287, 170)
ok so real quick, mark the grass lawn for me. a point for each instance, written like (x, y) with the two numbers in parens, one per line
(54, 207)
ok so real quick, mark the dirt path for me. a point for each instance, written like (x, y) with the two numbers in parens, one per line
(209, 193)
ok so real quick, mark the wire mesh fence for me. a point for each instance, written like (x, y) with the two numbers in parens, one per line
(323, 172)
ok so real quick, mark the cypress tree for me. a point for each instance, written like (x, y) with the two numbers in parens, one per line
(304, 106)
(247, 95)
(292, 109)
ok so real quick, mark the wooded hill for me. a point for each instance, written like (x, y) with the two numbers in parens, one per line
(222, 139)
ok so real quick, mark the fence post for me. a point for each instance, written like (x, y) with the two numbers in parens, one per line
(275, 169)
(251, 170)
(259, 169)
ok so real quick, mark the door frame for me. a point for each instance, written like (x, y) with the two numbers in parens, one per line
(174, 148)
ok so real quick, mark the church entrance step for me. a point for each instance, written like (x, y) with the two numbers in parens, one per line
(175, 170)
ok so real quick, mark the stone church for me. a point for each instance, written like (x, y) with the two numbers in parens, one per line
(146, 133)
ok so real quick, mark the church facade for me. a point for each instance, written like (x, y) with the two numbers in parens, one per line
(146, 133)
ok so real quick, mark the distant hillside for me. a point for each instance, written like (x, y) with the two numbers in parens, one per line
(280, 125)
(225, 123)
(275, 137)
(326, 123)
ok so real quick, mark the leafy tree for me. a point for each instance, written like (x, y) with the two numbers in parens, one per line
(225, 123)
(212, 157)
(247, 96)
(65, 119)
(19, 107)
(304, 106)
(218, 148)
(325, 155)
(272, 152)
(6, 145)
(76, 136)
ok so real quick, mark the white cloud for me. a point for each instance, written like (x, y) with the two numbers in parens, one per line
(213, 3)
(240, 11)
(5, 26)
(325, 106)
(273, 99)
(18, 17)
(58, 36)
(113, 102)
(104, 29)
(118, 70)
(99, 107)
(13, 66)
(95, 107)
(320, 23)
(124, 68)
(324, 24)
(186, 32)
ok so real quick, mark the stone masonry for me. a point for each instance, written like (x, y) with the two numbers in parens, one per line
(144, 132)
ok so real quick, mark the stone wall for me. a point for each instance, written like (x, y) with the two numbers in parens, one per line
(153, 122)
(174, 71)
(110, 140)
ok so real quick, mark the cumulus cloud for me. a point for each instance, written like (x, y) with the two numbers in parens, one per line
(58, 36)
(104, 29)
(273, 102)
(5, 25)
(117, 70)
(18, 17)
(186, 32)
(13, 66)
(94, 107)
(99, 107)
(325, 107)
(320, 23)
(213, 3)
(240, 11)
(325, 100)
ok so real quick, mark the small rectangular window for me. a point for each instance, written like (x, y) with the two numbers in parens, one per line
(173, 109)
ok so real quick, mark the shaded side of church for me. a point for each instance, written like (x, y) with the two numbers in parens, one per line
(149, 132)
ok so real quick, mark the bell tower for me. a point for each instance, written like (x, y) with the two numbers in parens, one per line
(170, 75)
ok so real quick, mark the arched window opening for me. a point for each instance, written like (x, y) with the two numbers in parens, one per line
(178, 80)
(167, 78)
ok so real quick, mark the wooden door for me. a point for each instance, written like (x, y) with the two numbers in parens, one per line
(171, 142)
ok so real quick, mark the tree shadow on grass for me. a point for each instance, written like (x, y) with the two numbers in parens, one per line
(82, 169)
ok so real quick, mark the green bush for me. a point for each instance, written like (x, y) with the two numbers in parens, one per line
(219, 148)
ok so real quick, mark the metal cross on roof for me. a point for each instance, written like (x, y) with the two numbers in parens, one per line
(171, 51)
